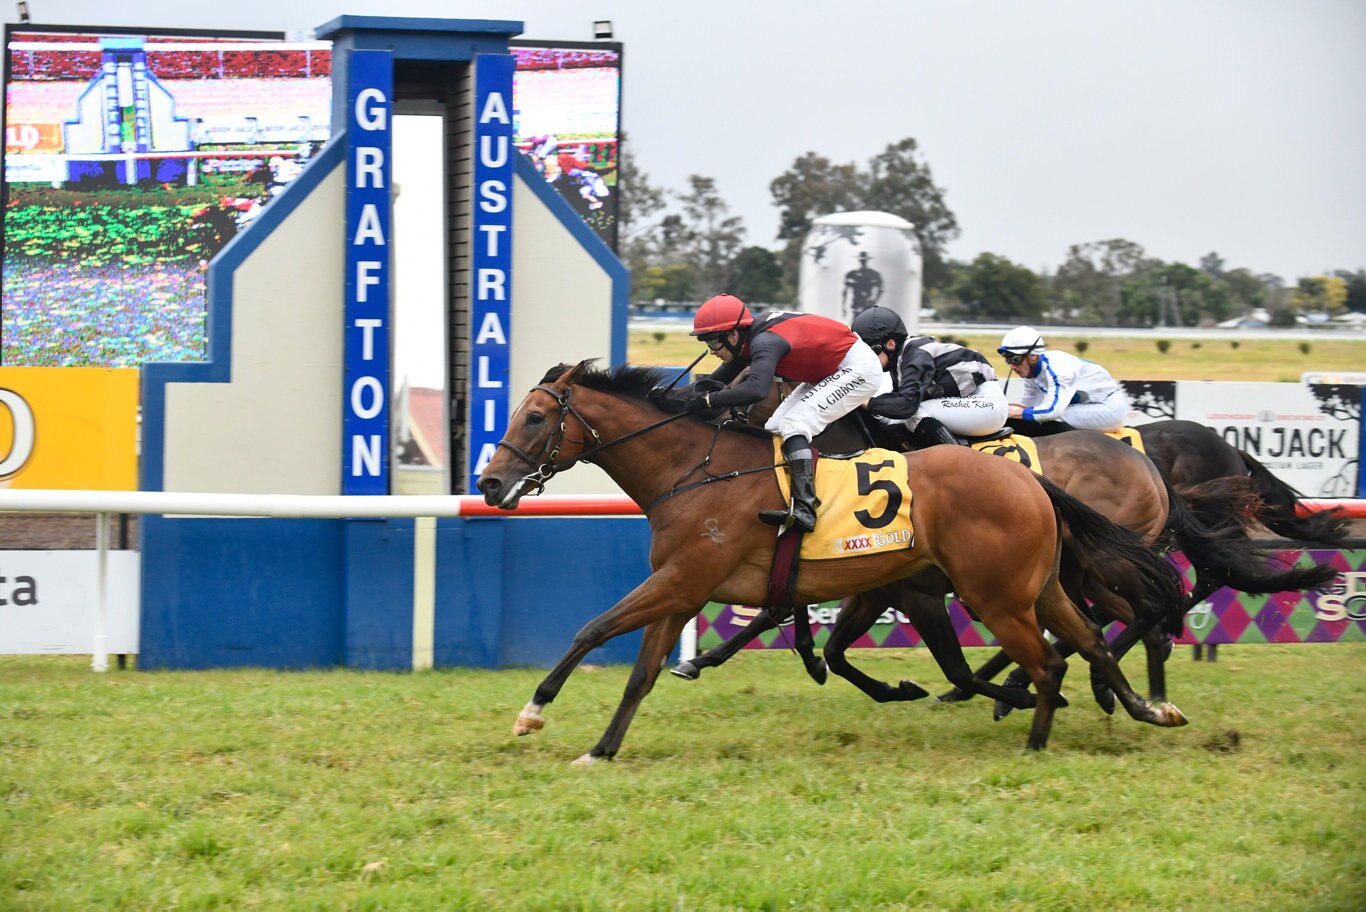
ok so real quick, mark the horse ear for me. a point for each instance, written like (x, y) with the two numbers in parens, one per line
(575, 372)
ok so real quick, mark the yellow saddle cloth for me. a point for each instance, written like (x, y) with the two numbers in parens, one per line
(1016, 448)
(1128, 435)
(865, 505)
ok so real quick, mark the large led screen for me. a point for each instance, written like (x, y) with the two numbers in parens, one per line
(132, 157)
(130, 160)
(566, 101)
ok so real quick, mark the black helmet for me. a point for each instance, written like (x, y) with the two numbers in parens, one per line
(878, 324)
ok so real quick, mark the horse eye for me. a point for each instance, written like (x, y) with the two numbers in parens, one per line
(534, 418)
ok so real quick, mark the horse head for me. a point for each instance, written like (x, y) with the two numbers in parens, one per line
(536, 439)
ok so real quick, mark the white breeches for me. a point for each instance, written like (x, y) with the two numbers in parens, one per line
(812, 407)
(982, 413)
(1109, 414)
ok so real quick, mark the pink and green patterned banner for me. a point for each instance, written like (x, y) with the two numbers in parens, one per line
(1335, 615)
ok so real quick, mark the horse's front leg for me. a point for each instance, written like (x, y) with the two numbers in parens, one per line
(660, 596)
(660, 637)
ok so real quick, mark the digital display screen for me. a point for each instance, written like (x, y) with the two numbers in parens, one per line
(132, 157)
(566, 100)
(130, 161)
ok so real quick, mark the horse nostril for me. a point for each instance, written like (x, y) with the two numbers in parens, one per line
(489, 486)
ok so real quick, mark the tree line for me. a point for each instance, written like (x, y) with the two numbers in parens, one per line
(685, 245)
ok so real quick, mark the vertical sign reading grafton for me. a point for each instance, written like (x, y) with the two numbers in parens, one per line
(365, 424)
(492, 260)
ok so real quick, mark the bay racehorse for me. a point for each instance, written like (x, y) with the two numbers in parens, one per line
(1117, 481)
(701, 488)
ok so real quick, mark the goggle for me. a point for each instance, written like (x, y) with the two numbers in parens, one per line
(1013, 358)
(714, 340)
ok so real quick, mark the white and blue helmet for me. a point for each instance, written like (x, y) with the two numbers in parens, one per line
(1022, 340)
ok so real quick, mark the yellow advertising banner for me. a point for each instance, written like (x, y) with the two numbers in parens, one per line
(69, 428)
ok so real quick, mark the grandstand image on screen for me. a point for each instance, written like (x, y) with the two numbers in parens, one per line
(130, 160)
(566, 101)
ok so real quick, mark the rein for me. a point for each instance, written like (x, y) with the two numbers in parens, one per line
(549, 467)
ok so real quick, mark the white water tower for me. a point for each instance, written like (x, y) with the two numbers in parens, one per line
(855, 260)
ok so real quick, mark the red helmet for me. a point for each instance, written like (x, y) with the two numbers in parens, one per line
(721, 314)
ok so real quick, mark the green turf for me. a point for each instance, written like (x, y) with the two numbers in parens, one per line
(749, 789)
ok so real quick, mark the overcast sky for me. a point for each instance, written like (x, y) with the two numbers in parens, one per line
(1188, 126)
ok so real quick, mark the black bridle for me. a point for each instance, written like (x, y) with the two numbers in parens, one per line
(544, 469)
(547, 468)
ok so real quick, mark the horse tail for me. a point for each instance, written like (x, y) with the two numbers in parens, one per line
(1278, 512)
(1099, 541)
(1209, 529)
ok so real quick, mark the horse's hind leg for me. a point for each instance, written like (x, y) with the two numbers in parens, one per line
(1019, 634)
(658, 639)
(691, 669)
(857, 616)
(1062, 617)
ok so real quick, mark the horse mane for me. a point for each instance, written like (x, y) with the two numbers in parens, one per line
(644, 383)
(625, 379)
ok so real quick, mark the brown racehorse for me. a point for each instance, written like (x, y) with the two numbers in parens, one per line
(1112, 478)
(702, 487)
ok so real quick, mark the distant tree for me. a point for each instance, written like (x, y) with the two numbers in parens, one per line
(1356, 289)
(900, 182)
(665, 283)
(992, 287)
(1212, 265)
(1245, 289)
(1091, 279)
(638, 203)
(897, 180)
(714, 236)
(1319, 294)
(1172, 294)
(756, 276)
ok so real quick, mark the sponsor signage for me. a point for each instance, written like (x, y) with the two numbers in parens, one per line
(1308, 435)
(68, 428)
(365, 420)
(47, 602)
(490, 317)
(1335, 615)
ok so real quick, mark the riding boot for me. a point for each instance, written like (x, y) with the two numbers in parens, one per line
(802, 513)
(931, 431)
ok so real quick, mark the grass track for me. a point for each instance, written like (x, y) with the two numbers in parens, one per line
(749, 789)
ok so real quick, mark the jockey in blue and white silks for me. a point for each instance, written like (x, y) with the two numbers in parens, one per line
(1059, 386)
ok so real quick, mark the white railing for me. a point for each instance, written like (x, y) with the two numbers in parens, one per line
(322, 506)
(273, 506)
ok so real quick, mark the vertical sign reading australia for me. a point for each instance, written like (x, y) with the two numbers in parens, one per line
(365, 421)
(1307, 434)
(490, 317)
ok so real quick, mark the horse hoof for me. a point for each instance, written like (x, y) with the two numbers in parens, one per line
(687, 671)
(1173, 717)
(957, 695)
(585, 760)
(819, 672)
(528, 720)
(1105, 699)
(910, 690)
(1001, 710)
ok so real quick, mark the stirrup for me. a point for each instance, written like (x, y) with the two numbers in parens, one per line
(781, 518)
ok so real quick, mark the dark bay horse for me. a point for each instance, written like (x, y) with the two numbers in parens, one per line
(702, 487)
(1188, 454)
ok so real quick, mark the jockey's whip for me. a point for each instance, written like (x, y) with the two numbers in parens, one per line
(687, 370)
